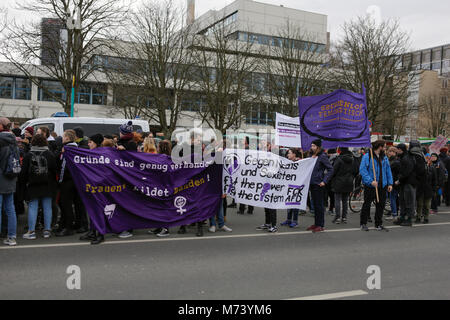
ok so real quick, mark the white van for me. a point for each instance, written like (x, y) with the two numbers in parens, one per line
(91, 126)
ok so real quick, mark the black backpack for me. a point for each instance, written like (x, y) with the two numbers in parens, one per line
(13, 168)
(38, 172)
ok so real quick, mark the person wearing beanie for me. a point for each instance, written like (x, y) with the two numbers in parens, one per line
(381, 179)
(437, 164)
(95, 141)
(342, 183)
(425, 192)
(407, 182)
(317, 185)
(126, 142)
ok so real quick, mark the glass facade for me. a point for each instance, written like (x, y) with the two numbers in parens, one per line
(87, 93)
(15, 88)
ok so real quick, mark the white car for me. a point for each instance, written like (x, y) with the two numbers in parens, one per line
(90, 126)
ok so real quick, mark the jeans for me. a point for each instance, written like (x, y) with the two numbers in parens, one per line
(220, 218)
(292, 214)
(317, 199)
(33, 212)
(407, 201)
(338, 198)
(369, 196)
(8, 200)
(393, 197)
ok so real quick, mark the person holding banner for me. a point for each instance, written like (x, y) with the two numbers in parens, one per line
(377, 179)
(317, 185)
(294, 155)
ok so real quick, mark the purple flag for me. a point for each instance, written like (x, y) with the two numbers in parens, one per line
(125, 190)
(338, 118)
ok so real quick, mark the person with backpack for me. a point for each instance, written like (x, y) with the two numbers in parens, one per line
(342, 183)
(441, 174)
(39, 176)
(408, 182)
(425, 193)
(9, 171)
(394, 162)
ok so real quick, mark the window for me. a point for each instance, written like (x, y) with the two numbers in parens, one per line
(83, 94)
(93, 128)
(54, 87)
(22, 89)
(99, 94)
(444, 100)
(443, 116)
(50, 126)
(6, 85)
(444, 83)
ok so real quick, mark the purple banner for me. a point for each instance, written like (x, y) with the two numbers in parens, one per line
(338, 118)
(125, 190)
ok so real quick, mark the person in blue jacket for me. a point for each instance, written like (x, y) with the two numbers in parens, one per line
(319, 179)
(383, 182)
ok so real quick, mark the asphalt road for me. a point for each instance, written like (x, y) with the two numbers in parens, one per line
(246, 264)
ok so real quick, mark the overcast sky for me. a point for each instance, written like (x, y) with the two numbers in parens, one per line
(427, 22)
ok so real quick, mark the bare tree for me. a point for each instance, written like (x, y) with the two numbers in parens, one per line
(371, 54)
(435, 110)
(223, 72)
(62, 57)
(294, 67)
(154, 80)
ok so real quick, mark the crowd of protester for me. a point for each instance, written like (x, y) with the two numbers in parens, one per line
(33, 172)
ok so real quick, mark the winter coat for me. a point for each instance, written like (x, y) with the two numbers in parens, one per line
(40, 190)
(430, 184)
(440, 173)
(64, 173)
(419, 164)
(7, 185)
(83, 143)
(366, 171)
(318, 175)
(128, 144)
(407, 173)
(343, 174)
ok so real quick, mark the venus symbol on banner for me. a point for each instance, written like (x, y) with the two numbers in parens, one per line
(179, 203)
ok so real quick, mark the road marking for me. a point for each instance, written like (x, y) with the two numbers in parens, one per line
(115, 242)
(337, 295)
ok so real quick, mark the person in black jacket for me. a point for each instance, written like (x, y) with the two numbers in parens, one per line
(440, 174)
(126, 143)
(39, 175)
(317, 185)
(69, 195)
(445, 159)
(407, 181)
(81, 140)
(342, 183)
(425, 193)
(394, 162)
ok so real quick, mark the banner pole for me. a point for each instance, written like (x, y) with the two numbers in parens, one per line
(374, 175)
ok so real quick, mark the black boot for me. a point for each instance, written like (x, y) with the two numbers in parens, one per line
(88, 236)
(182, 230)
(99, 238)
(199, 230)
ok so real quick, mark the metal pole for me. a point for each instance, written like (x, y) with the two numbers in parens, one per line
(72, 97)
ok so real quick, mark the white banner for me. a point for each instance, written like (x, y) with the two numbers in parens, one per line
(266, 180)
(287, 131)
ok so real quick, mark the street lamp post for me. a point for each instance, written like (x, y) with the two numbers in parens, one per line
(73, 25)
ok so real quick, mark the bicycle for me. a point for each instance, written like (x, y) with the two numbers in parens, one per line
(356, 201)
